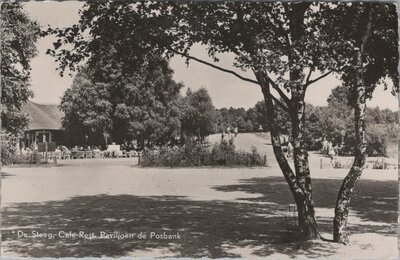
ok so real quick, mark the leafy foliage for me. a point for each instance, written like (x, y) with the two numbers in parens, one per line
(197, 114)
(18, 37)
(331, 122)
(336, 121)
(8, 150)
(196, 154)
(141, 106)
(380, 63)
(87, 109)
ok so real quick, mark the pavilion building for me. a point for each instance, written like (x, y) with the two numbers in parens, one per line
(44, 124)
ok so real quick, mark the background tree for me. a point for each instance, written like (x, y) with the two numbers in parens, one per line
(198, 115)
(18, 35)
(366, 46)
(333, 122)
(237, 117)
(87, 111)
(338, 118)
(139, 105)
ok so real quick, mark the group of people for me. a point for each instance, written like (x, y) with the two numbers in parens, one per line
(229, 132)
(330, 150)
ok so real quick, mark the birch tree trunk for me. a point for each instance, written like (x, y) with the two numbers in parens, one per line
(301, 194)
(350, 181)
(305, 204)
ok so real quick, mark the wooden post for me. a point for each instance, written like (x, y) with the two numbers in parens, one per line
(37, 157)
(320, 163)
(265, 159)
(45, 152)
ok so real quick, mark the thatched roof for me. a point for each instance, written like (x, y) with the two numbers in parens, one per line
(43, 116)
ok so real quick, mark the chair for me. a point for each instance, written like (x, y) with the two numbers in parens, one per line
(96, 154)
(132, 154)
(81, 155)
(66, 154)
(89, 154)
(74, 154)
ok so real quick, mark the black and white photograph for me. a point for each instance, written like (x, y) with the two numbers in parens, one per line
(199, 129)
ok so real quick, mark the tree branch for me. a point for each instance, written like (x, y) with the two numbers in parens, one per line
(277, 101)
(215, 66)
(320, 77)
(283, 96)
(308, 76)
(279, 90)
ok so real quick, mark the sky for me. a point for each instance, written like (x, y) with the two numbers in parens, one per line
(224, 89)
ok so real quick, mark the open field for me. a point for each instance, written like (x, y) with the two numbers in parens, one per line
(218, 212)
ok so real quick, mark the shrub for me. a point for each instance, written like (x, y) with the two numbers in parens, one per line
(377, 139)
(255, 157)
(220, 152)
(190, 154)
(8, 151)
(195, 154)
(378, 136)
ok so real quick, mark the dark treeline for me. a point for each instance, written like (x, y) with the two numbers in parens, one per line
(333, 122)
(141, 108)
(94, 116)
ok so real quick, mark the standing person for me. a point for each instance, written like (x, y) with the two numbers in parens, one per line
(331, 151)
(222, 135)
(325, 146)
(336, 149)
(236, 131)
(228, 130)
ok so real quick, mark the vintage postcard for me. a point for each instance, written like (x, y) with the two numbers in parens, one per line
(199, 129)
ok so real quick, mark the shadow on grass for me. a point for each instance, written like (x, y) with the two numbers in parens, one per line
(207, 228)
(5, 175)
(373, 201)
(211, 229)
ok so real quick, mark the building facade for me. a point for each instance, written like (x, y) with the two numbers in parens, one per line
(44, 124)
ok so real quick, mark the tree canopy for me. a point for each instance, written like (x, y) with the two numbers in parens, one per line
(18, 37)
(379, 63)
(198, 114)
(141, 105)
